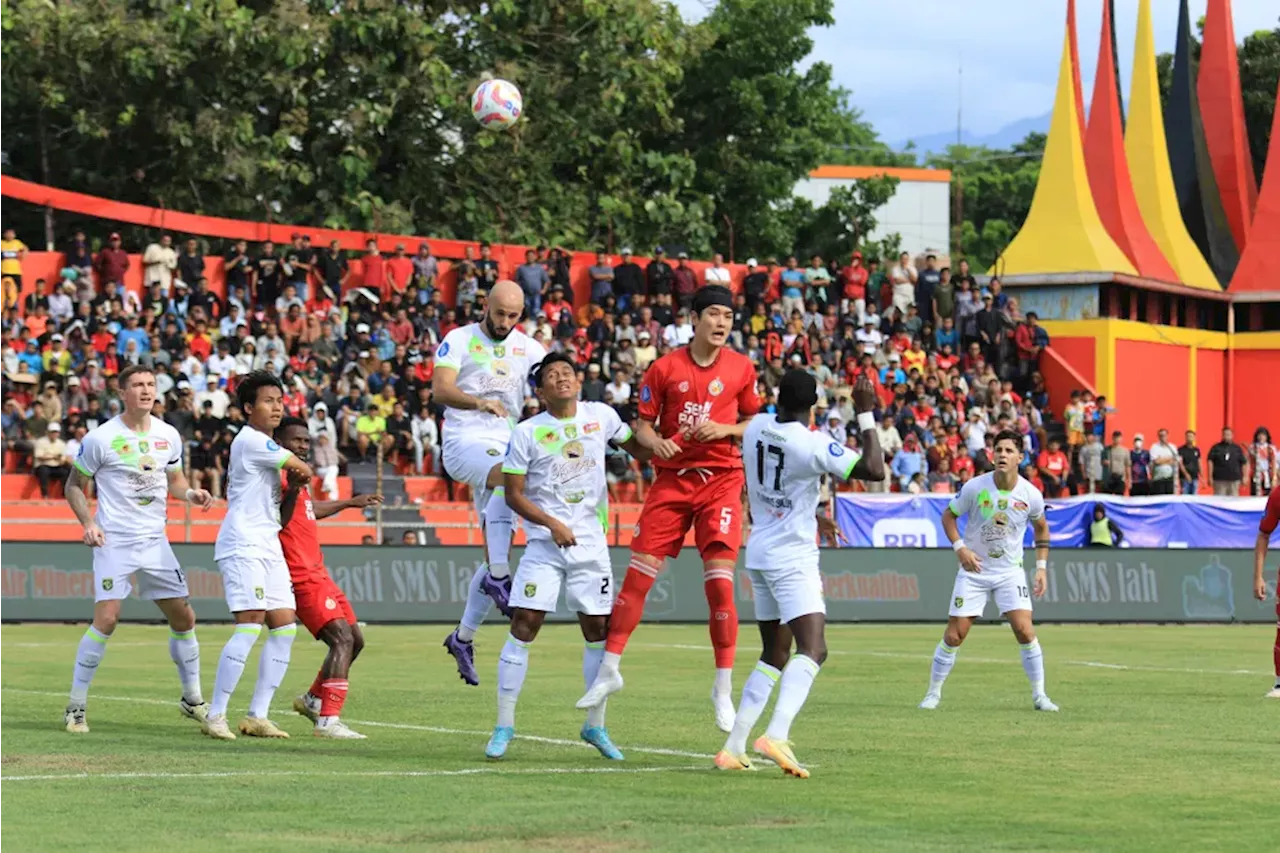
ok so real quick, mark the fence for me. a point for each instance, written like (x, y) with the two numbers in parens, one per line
(54, 582)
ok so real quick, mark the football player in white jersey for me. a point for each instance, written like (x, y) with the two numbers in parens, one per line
(998, 506)
(785, 462)
(136, 461)
(255, 577)
(555, 480)
(481, 378)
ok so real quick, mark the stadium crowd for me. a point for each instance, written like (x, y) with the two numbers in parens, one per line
(953, 361)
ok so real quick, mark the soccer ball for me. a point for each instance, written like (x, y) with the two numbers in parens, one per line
(497, 104)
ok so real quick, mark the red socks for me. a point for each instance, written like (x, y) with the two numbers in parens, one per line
(723, 623)
(629, 605)
(317, 686)
(333, 693)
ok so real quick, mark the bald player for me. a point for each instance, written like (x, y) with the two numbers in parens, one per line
(481, 380)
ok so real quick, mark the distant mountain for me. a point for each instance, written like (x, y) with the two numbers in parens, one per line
(1006, 136)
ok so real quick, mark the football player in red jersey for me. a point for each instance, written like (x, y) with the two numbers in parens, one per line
(694, 406)
(1270, 520)
(321, 604)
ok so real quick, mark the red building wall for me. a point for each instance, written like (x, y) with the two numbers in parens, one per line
(1152, 389)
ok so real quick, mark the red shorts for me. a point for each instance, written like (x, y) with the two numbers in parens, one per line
(676, 502)
(320, 601)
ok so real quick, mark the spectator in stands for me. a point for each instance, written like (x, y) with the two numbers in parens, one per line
(926, 287)
(909, 461)
(1053, 468)
(1091, 472)
(111, 265)
(426, 441)
(49, 457)
(12, 252)
(1189, 464)
(1118, 464)
(1103, 532)
(159, 261)
(684, 281)
(371, 431)
(1263, 463)
(1024, 338)
(1164, 465)
(190, 262)
(1228, 465)
(534, 280)
(903, 278)
(680, 332)
(659, 276)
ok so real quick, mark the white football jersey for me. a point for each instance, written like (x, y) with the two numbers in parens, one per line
(252, 524)
(489, 370)
(784, 467)
(130, 470)
(997, 520)
(563, 465)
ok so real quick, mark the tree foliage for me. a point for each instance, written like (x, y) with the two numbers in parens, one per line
(640, 127)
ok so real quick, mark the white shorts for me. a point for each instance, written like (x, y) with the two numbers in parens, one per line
(970, 594)
(256, 583)
(159, 575)
(787, 594)
(587, 577)
(469, 460)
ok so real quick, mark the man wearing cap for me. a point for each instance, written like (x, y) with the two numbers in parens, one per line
(755, 285)
(481, 377)
(111, 264)
(49, 458)
(56, 358)
(628, 280)
(658, 274)
(645, 352)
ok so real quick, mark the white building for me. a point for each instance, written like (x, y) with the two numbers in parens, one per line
(920, 209)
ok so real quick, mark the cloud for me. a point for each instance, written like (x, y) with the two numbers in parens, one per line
(902, 60)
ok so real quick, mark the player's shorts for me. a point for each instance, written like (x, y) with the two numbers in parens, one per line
(711, 504)
(470, 459)
(321, 601)
(785, 594)
(970, 594)
(152, 560)
(585, 573)
(256, 583)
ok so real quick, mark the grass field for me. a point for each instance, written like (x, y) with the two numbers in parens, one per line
(1163, 743)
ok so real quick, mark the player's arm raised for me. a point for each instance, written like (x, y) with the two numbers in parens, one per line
(871, 465)
(289, 499)
(324, 509)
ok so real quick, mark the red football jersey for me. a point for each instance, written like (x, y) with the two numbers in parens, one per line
(1271, 518)
(678, 395)
(300, 540)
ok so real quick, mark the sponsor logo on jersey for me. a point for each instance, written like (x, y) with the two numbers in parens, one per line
(550, 437)
(590, 427)
(146, 463)
(272, 446)
(716, 388)
(530, 590)
(573, 450)
(1021, 506)
(693, 416)
(493, 451)
(501, 369)
(575, 497)
(124, 448)
(645, 394)
(684, 387)
(442, 350)
(835, 449)
(516, 349)
(162, 444)
(330, 604)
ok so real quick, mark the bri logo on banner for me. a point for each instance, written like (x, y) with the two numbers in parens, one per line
(904, 533)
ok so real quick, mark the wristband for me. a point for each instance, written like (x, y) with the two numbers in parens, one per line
(1042, 565)
(189, 495)
(866, 421)
(957, 545)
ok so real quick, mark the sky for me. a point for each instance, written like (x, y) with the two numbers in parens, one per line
(901, 59)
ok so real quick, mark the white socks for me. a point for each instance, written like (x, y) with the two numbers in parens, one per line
(592, 657)
(478, 606)
(93, 645)
(272, 666)
(498, 520)
(1033, 665)
(184, 650)
(944, 657)
(235, 654)
(724, 681)
(513, 663)
(793, 690)
(755, 695)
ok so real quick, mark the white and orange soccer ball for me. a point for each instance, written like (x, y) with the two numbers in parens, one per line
(497, 104)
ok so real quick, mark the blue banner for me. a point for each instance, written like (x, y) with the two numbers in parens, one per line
(915, 521)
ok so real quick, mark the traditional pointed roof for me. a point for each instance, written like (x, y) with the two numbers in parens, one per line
(1222, 109)
(1062, 232)
(1109, 169)
(1076, 86)
(1148, 155)
(1256, 270)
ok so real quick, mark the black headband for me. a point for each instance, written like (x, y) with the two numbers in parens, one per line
(710, 295)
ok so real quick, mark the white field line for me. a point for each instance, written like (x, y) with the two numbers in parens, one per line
(470, 771)
(1010, 660)
(647, 750)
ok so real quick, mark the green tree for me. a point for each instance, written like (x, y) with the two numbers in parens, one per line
(846, 221)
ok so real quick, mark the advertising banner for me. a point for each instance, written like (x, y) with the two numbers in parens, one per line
(54, 582)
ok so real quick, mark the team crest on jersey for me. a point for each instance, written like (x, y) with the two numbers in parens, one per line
(442, 350)
(590, 427)
(530, 590)
(573, 450)
(493, 451)
(144, 446)
(259, 593)
(330, 604)
(645, 394)
(959, 601)
(499, 350)
(570, 431)
(108, 583)
(716, 388)
(1003, 503)
(684, 387)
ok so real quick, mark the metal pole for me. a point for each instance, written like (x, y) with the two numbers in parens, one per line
(377, 510)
